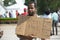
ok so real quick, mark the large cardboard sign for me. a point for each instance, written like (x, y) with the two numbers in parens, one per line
(32, 25)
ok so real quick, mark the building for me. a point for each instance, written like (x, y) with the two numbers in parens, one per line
(12, 7)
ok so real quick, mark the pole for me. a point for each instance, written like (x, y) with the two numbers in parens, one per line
(36, 5)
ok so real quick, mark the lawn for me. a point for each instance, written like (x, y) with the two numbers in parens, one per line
(8, 20)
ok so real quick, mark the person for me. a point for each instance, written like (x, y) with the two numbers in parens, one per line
(6, 14)
(10, 15)
(2, 16)
(31, 12)
(17, 13)
(25, 12)
(32, 9)
(47, 14)
(59, 15)
(55, 21)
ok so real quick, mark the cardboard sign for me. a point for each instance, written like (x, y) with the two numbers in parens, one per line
(31, 25)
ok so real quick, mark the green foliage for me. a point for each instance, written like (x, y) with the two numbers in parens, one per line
(54, 4)
(8, 19)
(42, 5)
(6, 2)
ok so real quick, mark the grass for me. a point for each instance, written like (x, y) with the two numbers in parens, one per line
(8, 19)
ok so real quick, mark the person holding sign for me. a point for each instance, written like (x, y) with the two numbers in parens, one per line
(31, 12)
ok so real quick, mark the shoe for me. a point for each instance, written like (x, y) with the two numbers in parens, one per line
(51, 34)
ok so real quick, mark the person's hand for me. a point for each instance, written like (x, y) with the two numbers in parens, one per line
(32, 35)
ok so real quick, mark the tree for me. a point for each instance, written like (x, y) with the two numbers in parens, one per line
(6, 2)
(42, 5)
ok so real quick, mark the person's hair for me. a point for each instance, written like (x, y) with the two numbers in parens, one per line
(31, 2)
(47, 12)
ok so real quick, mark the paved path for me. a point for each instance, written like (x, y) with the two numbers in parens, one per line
(9, 32)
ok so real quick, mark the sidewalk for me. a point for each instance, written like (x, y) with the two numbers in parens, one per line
(9, 32)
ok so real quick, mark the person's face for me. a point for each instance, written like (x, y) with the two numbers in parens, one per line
(31, 8)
